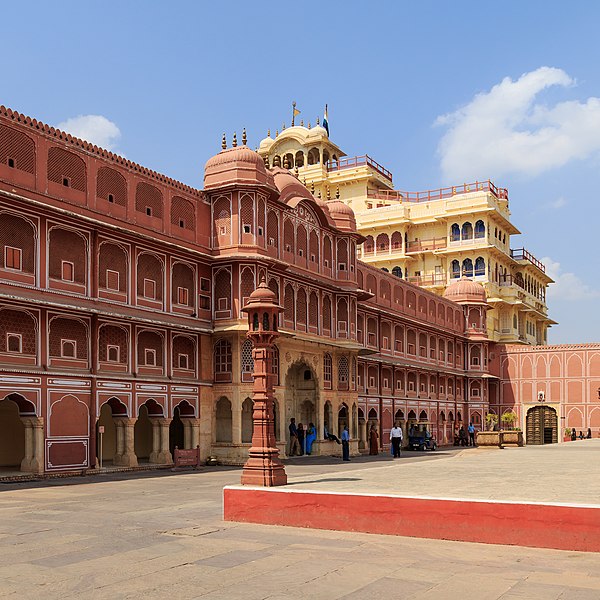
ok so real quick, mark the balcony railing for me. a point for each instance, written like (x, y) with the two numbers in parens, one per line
(425, 245)
(439, 194)
(522, 254)
(359, 161)
(423, 280)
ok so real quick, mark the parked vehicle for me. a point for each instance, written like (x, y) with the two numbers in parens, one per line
(422, 442)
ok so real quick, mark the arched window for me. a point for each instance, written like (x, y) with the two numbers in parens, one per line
(247, 361)
(327, 367)
(314, 247)
(223, 293)
(313, 156)
(397, 271)
(313, 311)
(289, 304)
(183, 214)
(455, 270)
(383, 242)
(455, 233)
(301, 309)
(111, 186)
(148, 200)
(479, 266)
(222, 222)
(301, 241)
(467, 231)
(479, 229)
(222, 361)
(17, 244)
(272, 230)
(396, 240)
(327, 315)
(150, 349)
(368, 245)
(288, 236)
(223, 421)
(467, 267)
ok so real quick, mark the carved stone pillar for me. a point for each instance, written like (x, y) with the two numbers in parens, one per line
(164, 457)
(195, 432)
(128, 458)
(37, 461)
(119, 441)
(154, 455)
(26, 462)
(362, 425)
(187, 434)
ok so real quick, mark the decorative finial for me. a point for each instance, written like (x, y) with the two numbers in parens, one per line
(276, 132)
(337, 192)
(266, 159)
(318, 120)
(309, 124)
(328, 194)
(268, 133)
(224, 143)
(283, 127)
(296, 171)
(319, 194)
(234, 142)
(312, 188)
(244, 138)
(302, 122)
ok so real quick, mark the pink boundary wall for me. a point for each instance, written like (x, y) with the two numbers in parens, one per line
(568, 375)
(537, 525)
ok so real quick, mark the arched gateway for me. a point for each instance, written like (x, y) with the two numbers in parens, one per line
(542, 425)
(301, 394)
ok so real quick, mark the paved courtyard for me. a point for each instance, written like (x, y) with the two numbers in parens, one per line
(160, 535)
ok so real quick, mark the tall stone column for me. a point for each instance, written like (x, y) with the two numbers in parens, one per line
(187, 434)
(37, 462)
(26, 462)
(362, 425)
(194, 425)
(164, 457)
(154, 454)
(263, 466)
(128, 459)
(120, 441)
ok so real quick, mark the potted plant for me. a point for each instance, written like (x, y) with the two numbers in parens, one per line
(508, 419)
(511, 436)
(567, 437)
(491, 420)
(490, 438)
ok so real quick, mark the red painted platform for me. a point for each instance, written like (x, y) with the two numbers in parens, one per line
(537, 525)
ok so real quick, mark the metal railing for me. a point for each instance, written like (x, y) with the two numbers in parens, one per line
(440, 193)
(358, 161)
(522, 254)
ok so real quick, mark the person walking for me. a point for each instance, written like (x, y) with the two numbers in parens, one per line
(294, 445)
(345, 444)
(471, 430)
(373, 441)
(573, 434)
(311, 436)
(396, 438)
(589, 433)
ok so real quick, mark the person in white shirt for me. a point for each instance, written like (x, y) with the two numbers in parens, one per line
(396, 438)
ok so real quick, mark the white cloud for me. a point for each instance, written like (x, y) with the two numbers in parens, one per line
(558, 203)
(509, 130)
(95, 129)
(567, 286)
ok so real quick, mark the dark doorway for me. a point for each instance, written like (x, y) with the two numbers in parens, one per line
(542, 425)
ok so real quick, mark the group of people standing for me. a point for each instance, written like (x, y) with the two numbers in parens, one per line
(301, 439)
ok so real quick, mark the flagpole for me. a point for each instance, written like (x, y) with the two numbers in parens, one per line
(293, 112)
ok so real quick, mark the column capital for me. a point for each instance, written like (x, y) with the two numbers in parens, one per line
(164, 421)
(191, 420)
(125, 421)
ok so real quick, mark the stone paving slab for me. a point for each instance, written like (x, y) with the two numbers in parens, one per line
(157, 536)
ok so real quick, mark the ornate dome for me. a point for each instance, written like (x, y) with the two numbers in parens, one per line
(235, 165)
(342, 214)
(289, 187)
(465, 290)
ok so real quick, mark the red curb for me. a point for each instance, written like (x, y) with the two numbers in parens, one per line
(561, 527)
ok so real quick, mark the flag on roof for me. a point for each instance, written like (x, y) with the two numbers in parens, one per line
(326, 121)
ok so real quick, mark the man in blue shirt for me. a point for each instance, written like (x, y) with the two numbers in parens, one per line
(345, 443)
(471, 430)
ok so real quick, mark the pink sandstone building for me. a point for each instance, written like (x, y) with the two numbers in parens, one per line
(120, 317)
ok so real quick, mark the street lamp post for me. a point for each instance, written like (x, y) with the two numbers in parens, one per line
(263, 467)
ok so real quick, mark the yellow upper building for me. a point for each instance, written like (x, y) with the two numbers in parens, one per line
(429, 238)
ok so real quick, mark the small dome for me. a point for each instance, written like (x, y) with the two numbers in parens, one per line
(465, 290)
(342, 214)
(317, 131)
(266, 143)
(235, 165)
(288, 185)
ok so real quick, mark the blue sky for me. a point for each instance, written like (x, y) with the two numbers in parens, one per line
(439, 93)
